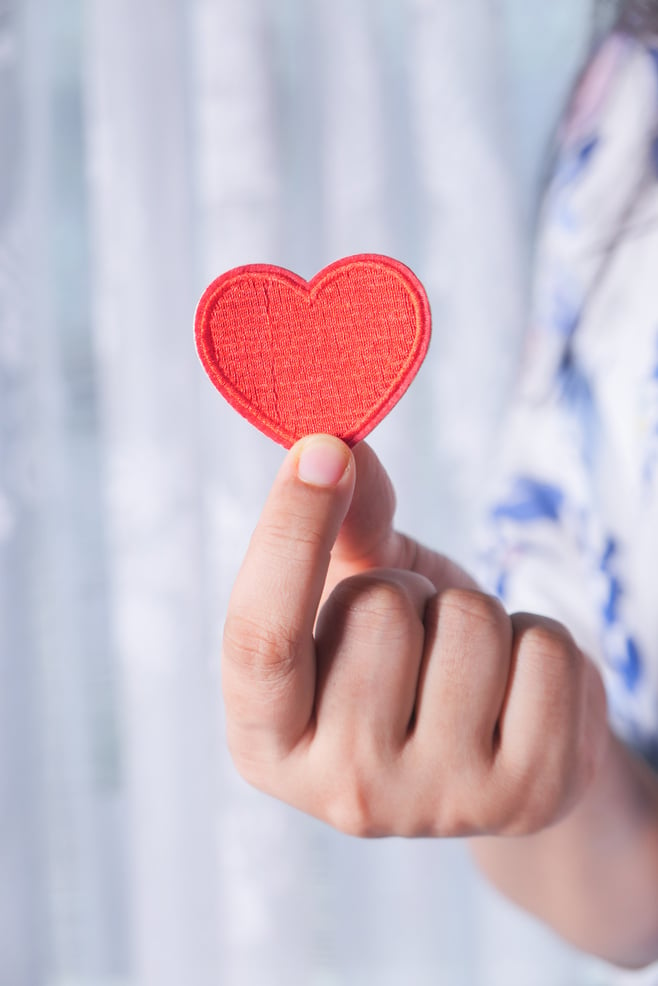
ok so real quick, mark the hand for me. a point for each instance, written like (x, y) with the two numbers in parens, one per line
(411, 704)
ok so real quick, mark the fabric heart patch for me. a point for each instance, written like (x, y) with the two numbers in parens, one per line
(332, 355)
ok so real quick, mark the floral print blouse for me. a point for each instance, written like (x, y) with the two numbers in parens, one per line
(573, 529)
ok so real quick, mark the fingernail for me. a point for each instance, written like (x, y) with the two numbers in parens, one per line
(323, 461)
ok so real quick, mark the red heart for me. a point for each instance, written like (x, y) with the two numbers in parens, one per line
(331, 355)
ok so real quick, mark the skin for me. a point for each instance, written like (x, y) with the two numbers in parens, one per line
(370, 683)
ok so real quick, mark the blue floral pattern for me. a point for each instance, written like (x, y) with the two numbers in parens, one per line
(573, 530)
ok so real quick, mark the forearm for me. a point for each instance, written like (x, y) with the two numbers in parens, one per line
(593, 877)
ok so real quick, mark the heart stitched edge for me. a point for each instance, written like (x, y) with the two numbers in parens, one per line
(401, 382)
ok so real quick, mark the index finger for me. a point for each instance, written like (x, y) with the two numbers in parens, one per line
(268, 666)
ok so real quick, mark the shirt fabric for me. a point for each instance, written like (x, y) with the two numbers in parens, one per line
(573, 528)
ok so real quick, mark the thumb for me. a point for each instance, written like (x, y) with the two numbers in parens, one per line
(268, 670)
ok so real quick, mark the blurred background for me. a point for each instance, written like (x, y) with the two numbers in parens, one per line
(145, 147)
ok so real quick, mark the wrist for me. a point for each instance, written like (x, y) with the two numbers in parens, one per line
(592, 876)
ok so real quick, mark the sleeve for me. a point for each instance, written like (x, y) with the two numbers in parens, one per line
(535, 549)
(544, 547)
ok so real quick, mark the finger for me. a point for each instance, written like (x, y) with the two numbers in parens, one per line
(368, 539)
(365, 537)
(463, 680)
(544, 713)
(268, 668)
(369, 640)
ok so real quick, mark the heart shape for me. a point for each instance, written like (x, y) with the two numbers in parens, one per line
(331, 355)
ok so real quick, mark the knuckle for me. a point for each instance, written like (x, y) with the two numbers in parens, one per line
(350, 809)
(372, 603)
(550, 647)
(463, 607)
(348, 818)
(453, 819)
(262, 652)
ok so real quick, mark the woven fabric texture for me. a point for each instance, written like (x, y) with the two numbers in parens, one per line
(332, 355)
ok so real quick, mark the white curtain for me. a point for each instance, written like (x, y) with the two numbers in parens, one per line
(146, 146)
